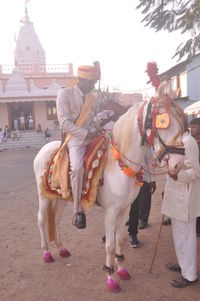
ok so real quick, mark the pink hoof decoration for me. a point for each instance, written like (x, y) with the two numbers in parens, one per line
(47, 257)
(123, 274)
(112, 285)
(64, 253)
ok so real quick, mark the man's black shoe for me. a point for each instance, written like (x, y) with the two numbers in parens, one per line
(127, 223)
(80, 220)
(134, 242)
(142, 224)
(167, 222)
(103, 239)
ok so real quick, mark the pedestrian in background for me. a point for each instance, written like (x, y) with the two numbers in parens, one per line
(47, 135)
(22, 122)
(140, 208)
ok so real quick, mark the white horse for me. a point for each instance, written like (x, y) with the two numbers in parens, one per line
(142, 122)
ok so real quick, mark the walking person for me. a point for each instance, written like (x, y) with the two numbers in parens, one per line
(6, 133)
(47, 135)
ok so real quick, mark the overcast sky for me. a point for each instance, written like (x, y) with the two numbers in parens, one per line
(82, 31)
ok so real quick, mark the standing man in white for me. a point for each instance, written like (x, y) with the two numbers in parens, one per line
(181, 204)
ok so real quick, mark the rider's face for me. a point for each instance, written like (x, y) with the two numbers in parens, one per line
(86, 85)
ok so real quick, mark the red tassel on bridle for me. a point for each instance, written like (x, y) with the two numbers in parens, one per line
(152, 71)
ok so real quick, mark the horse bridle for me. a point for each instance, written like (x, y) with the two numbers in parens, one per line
(168, 149)
(150, 124)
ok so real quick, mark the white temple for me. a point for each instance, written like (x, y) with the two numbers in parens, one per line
(30, 86)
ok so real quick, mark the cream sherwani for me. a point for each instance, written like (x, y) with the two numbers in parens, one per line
(181, 202)
(69, 105)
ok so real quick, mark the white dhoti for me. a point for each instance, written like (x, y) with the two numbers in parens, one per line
(185, 243)
(76, 156)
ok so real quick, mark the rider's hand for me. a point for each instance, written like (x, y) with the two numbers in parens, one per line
(174, 177)
(152, 187)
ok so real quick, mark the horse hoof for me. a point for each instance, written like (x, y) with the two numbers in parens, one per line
(47, 257)
(64, 253)
(112, 285)
(123, 274)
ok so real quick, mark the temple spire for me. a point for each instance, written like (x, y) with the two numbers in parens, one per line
(26, 11)
(29, 50)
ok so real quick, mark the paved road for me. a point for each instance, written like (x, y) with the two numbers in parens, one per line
(24, 276)
(16, 168)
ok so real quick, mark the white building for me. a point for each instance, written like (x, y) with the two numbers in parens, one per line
(31, 86)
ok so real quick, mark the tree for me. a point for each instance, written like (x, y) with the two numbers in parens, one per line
(173, 15)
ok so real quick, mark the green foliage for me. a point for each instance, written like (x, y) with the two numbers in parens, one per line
(172, 15)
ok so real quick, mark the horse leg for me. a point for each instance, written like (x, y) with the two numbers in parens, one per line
(58, 210)
(43, 206)
(110, 228)
(120, 239)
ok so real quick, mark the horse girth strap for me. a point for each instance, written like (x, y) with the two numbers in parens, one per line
(59, 174)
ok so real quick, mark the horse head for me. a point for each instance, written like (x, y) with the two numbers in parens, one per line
(164, 127)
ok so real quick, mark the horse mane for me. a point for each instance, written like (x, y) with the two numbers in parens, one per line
(123, 129)
(123, 133)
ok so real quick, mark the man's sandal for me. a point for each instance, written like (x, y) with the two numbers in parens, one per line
(182, 282)
(175, 267)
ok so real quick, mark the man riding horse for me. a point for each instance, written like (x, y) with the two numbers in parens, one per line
(73, 103)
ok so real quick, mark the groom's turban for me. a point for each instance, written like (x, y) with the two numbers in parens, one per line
(86, 72)
(90, 72)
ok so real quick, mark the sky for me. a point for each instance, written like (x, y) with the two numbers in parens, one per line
(83, 31)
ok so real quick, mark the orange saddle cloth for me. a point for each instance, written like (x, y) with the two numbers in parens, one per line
(94, 163)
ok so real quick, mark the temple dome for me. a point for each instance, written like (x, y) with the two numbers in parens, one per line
(28, 50)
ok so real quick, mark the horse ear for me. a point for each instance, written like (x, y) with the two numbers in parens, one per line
(166, 88)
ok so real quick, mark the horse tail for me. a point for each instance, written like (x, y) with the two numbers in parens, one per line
(50, 215)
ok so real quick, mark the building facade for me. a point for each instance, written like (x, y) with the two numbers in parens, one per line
(185, 79)
(30, 87)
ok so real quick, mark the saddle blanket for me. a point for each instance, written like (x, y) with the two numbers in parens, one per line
(94, 163)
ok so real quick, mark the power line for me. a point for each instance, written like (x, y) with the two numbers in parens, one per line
(122, 90)
(142, 89)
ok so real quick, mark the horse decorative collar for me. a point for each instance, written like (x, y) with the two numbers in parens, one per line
(129, 171)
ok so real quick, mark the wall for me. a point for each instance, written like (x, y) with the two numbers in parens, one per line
(3, 115)
(40, 113)
(184, 85)
(193, 79)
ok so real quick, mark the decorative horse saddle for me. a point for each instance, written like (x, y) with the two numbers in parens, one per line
(94, 163)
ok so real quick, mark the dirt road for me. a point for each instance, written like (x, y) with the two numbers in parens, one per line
(25, 277)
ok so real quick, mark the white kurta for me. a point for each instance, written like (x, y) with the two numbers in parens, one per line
(181, 198)
(181, 202)
(69, 105)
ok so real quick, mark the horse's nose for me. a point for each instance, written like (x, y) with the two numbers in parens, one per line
(177, 168)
